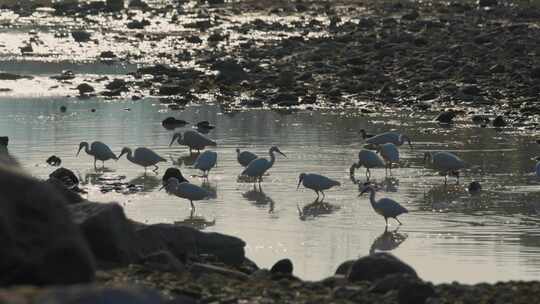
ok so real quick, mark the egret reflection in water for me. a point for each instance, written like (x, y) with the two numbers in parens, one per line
(259, 198)
(148, 182)
(388, 240)
(316, 208)
(185, 160)
(195, 221)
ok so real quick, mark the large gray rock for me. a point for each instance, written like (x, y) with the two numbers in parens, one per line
(39, 243)
(88, 294)
(108, 232)
(115, 5)
(377, 266)
(183, 242)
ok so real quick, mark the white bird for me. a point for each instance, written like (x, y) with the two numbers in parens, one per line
(386, 207)
(98, 150)
(368, 159)
(245, 157)
(316, 182)
(260, 165)
(389, 137)
(389, 153)
(143, 157)
(193, 139)
(185, 190)
(205, 162)
(445, 162)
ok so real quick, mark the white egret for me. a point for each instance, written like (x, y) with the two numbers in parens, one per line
(143, 157)
(260, 165)
(389, 137)
(386, 207)
(446, 162)
(390, 154)
(368, 159)
(98, 150)
(185, 190)
(206, 161)
(316, 182)
(193, 139)
(245, 157)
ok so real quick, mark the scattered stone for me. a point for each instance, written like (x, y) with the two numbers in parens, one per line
(138, 24)
(344, 268)
(40, 243)
(63, 109)
(474, 187)
(109, 233)
(117, 84)
(284, 266)
(200, 269)
(93, 294)
(65, 75)
(81, 36)
(487, 3)
(114, 5)
(499, 122)
(11, 76)
(85, 88)
(107, 55)
(377, 266)
(54, 161)
(445, 117)
(163, 261)
(229, 71)
(4, 140)
(415, 292)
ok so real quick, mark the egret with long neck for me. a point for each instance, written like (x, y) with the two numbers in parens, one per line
(386, 207)
(260, 165)
(98, 150)
(143, 157)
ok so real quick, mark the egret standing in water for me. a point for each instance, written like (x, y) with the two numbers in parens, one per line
(316, 182)
(245, 157)
(386, 207)
(259, 166)
(98, 150)
(390, 154)
(368, 159)
(143, 157)
(173, 172)
(446, 162)
(185, 190)
(193, 139)
(389, 137)
(206, 161)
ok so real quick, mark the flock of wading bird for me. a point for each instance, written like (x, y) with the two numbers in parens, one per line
(385, 155)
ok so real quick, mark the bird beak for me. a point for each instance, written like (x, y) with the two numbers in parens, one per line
(161, 187)
(80, 148)
(299, 181)
(282, 154)
(121, 153)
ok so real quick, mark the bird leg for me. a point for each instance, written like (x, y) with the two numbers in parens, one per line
(317, 191)
(386, 221)
(95, 165)
(192, 206)
(398, 221)
(155, 168)
(322, 195)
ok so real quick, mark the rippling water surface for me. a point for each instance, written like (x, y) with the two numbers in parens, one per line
(448, 235)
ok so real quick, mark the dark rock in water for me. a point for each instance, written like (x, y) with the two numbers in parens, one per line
(54, 161)
(183, 241)
(229, 72)
(445, 117)
(377, 266)
(40, 244)
(65, 176)
(345, 267)
(108, 232)
(11, 76)
(499, 122)
(284, 266)
(474, 187)
(63, 109)
(4, 140)
(114, 5)
(411, 16)
(205, 124)
(172, 88)
(194, 39)
(81, 36)
(415, 292)
(138, 4)
(65, 75)
(480, 119)
(117, 84)
(85, 88)
(471, 90)
(497, 68)
(163, 261)
(87, 294)
(138, 24)
(486, 3)
(171, 123)
(393, 282)
(173, 172)
(107, 55)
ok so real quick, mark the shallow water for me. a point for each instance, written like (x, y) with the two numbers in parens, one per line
(448, 235)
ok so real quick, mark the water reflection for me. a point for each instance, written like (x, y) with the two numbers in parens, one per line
(259, 198)
(387, 241)
(443, 197)
(388, 184)
(210, 187)
(316, 209)
(196, 221)
(186, 160)
(148, 182)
